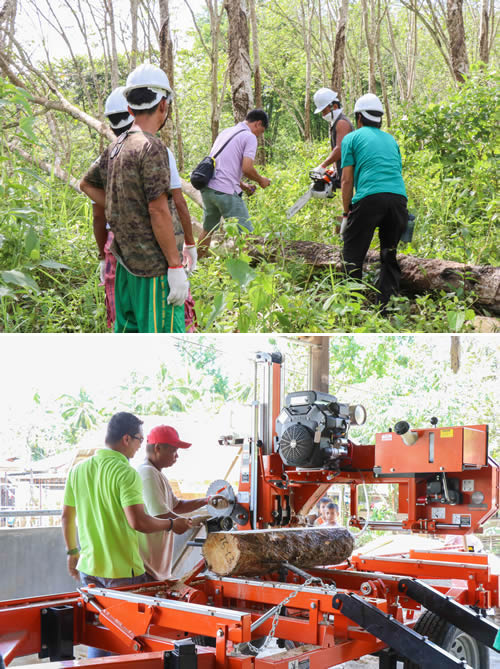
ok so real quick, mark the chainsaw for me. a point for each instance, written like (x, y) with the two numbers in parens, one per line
(323, 185)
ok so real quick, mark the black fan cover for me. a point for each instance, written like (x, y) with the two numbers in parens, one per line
(296, 445)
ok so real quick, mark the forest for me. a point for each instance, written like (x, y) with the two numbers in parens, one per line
(433, 64)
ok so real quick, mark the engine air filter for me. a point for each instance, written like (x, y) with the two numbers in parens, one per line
(296, 445)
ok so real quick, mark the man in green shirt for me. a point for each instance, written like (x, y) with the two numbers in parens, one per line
(104, 496)
(371, 165)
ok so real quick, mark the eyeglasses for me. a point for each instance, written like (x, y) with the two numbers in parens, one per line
(139, 438)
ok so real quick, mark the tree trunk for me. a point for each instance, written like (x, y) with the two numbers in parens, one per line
(240, 69)
(484, 51)
(458, 50)
(417, 274)
(133, 27)
(455, 353)
(260, 551)
(115, 76)
(306, 22)
(339, 49)
(370, 43)
(257, 81)
(166, 64)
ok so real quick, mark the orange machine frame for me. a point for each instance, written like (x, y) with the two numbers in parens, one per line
(141, 623)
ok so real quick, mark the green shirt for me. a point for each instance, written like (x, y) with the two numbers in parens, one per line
(99, 488)
(377, 162)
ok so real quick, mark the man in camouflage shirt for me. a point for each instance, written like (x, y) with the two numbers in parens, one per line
(131, 180)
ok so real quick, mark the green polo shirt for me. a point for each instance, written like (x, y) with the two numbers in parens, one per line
(377, 162)
(99, 488)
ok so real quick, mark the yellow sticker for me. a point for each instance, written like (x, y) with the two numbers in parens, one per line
(445, 434)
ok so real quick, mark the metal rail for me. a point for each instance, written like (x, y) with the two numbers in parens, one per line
(30, 512)
(463, 617)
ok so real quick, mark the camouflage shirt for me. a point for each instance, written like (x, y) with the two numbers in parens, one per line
(134, 170)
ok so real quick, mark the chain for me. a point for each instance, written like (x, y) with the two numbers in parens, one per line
(313, 579)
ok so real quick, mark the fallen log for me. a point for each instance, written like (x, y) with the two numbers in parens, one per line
(417, 274)
(254, 552)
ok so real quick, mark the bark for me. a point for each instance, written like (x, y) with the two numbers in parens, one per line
(484, 51)
(339, 49)
(257, 81)
(115, 76)
(370, 43)
(255, 552)
(456, 30)
(455, 353)
(240, 70)
(417, 274)
(166, 63)
(397, 59)
(306, 23)
(133, 27)
(8, 12)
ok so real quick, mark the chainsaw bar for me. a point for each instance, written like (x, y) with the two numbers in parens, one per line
(303, 200)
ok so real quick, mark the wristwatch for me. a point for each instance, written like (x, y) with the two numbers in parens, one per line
(73, 551)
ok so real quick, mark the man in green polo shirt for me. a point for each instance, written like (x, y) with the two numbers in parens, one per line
(103, 496)
(371, 165)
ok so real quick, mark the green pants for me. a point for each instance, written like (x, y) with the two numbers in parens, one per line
(141, 304)
(217, 204)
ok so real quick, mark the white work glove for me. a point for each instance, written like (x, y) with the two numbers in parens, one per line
(320, 170)
(343, 225)
(102, 269)
(178, 285)
(190, 257)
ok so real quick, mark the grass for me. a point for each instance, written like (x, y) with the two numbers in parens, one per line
(49, 269)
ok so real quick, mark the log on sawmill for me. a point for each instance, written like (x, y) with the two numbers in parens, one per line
(253, 552)
(417, 274)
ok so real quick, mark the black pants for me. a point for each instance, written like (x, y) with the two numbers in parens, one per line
(388, 212)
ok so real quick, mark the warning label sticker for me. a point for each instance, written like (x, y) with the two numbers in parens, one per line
(462, 519)
(438, 513)
(446, 434)
(387, 437)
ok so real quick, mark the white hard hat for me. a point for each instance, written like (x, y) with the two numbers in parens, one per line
(117, 104)
(324, 97)
(369, 103)
(151, 77)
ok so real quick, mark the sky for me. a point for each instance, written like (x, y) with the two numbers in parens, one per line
(180, 16)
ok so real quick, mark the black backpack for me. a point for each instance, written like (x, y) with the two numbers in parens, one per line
(205, 169)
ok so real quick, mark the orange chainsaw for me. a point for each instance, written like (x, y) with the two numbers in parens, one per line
(323, 186)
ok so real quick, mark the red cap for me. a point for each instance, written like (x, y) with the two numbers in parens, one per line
(164, 434)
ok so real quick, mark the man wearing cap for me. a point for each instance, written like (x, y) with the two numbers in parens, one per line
(104, 495)
(161, 452)
(132, 179)
(328, 105)
(372, 166)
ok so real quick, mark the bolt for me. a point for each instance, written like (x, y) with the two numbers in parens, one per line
(220, 633)
(313, 605)
(136, 646)
(43, 612)
(217, 591)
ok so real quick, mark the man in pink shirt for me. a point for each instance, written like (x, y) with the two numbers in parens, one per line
(223, 194)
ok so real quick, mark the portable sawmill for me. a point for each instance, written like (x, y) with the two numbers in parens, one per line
(268, 580)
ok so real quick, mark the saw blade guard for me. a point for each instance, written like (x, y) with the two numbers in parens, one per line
(223, 489)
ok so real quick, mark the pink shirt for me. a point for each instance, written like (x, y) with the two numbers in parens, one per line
(228, 172)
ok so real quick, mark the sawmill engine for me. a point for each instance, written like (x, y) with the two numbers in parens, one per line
(312, 429)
